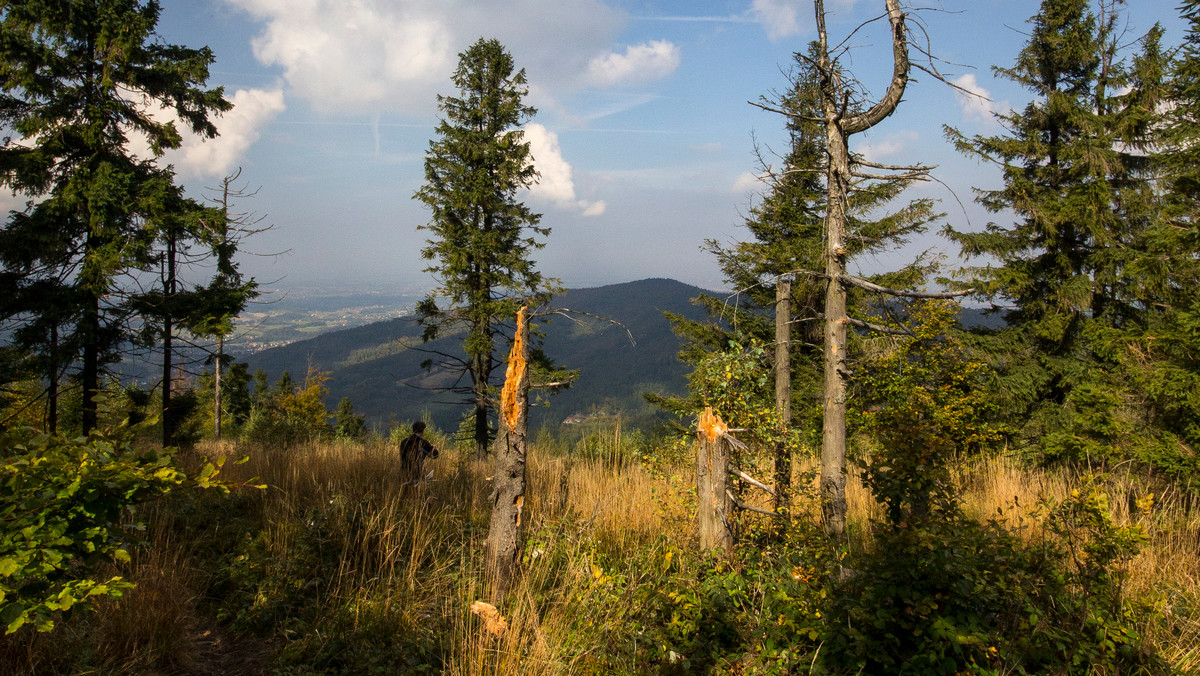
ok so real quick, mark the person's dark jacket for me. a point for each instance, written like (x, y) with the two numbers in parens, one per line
(413, 451)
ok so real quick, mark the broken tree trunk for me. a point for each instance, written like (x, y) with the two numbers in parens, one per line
(506, 533)
(712, 496)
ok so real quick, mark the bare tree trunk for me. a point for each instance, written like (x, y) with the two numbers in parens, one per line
(169, 289)
(217, 388)
(712, 492)
(783, 393)
(52, 391)
(90, 375)
(838, 129)
(482, 376)
(506, 533)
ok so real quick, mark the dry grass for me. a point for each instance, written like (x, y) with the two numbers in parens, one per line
(398, 565)
(412, 557)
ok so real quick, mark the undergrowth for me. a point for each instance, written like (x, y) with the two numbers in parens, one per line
(336, 568)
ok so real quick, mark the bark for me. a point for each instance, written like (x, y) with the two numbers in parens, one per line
(52, 389)
(217, 388)
(712, 495)
(482, 370)
(169, 289)
(506, 533)
(783, 393)
(90, 375)
(838, 129)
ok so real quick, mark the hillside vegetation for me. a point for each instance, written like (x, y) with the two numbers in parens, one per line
(828, 471)
(379, 366)
(335, 567)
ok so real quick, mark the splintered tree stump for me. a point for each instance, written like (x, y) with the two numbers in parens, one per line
(712, 495)
(507, 528)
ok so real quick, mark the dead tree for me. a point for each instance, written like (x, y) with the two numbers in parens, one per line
(783, 393)
(506, 531)
(841, 116)
(712, 494)
(840, 124)
(715, 503)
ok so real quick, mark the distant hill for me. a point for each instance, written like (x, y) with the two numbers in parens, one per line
(379, 365)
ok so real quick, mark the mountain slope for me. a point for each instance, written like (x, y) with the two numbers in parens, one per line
(379, 366)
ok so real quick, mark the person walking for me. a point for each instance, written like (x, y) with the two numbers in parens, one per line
(413, 451)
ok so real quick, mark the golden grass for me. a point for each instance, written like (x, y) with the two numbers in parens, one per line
(575, 504)
(414, 555)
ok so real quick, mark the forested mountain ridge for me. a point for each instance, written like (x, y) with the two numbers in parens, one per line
(379, 366)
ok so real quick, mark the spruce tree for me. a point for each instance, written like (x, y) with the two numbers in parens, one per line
(76, 80)
(1079, 183)
(1159, 348)
(481, 236)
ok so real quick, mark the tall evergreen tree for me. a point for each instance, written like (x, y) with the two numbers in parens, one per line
(1078, 181)
(1160, 347)
(482, 237)
(76, 79)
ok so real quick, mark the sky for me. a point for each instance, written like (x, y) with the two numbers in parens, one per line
(644, 137)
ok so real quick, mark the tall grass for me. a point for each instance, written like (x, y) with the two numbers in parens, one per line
(337, 567)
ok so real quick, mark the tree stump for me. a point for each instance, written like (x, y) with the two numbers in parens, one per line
(712, 495)
(506, 532)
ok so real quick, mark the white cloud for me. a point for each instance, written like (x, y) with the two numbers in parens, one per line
(889, 145)
(749, 182)
(647, 61)
(556, 184)
(780, 18)
(239, 129)
(978, 106)
(381, 56)
(594, 209)
(788, 18)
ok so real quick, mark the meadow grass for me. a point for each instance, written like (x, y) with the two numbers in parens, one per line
(337, 567)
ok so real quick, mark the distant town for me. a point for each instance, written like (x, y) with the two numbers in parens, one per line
(305, 313)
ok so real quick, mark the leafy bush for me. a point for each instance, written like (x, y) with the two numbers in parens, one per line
(758, 609)
(939, 593)
(66, 506)
(290, 414)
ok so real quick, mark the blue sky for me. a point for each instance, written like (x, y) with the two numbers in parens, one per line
(644, 136)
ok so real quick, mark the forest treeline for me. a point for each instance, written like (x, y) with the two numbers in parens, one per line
(880, 428)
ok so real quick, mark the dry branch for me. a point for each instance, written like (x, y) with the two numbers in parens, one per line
(749, 508)
(751, 480)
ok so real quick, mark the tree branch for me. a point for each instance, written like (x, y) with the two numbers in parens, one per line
(881, 329)
(751, 480)
(869, 286)
(900, 64)
(749, 508)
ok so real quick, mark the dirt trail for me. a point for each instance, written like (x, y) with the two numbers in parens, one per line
(217, 652)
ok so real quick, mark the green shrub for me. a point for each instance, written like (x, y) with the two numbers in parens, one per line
(67, 506)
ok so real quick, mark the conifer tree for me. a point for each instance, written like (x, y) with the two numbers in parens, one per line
(1077, 179)
(482, 237)
(77, 77)
(1160, 346)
